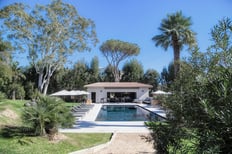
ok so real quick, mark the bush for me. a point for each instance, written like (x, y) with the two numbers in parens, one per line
(47, 115)
(2, 96)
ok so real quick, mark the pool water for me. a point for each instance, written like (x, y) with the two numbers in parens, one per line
(122, 113)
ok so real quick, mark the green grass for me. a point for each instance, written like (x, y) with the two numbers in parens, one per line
(71, 104)
(18, 143)
(17, 106)
(14, 107)
(41, 145)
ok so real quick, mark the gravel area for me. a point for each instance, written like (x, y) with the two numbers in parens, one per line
(128, 143)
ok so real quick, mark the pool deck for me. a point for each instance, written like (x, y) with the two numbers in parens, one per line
(88, 124)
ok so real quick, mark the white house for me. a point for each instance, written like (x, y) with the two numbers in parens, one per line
(117, 91)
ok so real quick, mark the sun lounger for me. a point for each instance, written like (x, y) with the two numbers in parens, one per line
(75, 109)
(78, 115)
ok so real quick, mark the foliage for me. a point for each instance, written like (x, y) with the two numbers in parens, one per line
(107, 74)
(5, 60)
(116, 51)
(132, 71)
(75, 77)
(167, 76)
(175, 32)
(201, 100)
(49, 33)
(81, 75)
(160, 136)
(46, 115)
(5, 76)
(2, 96)
(151, 77)
(15, 89)
(71, 78)
(94, 70)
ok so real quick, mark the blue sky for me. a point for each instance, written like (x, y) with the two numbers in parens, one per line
(137, 21)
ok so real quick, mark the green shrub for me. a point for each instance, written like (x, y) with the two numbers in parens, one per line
(2, 96)
(46, 115)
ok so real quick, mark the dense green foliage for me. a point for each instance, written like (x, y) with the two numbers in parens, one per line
(200, 107)
(151, 77)
(132, 71)
(5, 61)
(46, 114)
(167, 76)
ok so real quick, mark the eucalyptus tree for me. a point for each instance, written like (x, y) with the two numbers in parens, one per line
(115, 51)
(60, 80)
(132, 71)
(175, 32)
(50, 33)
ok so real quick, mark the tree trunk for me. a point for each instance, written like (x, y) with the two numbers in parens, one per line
(116, 75)
(176, 53)
(176, 61)
(13, 95)
(40, 82)
(44, 80)
(45, 88)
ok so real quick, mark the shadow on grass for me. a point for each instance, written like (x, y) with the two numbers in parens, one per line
(16, 131)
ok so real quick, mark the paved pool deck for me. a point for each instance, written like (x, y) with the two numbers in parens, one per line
(88, 124)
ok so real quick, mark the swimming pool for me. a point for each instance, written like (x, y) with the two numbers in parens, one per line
(125, 113)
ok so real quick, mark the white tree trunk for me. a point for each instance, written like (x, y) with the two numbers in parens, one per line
(40, 82)
(46, 87)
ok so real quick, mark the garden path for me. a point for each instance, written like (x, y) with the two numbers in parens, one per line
(128, 143)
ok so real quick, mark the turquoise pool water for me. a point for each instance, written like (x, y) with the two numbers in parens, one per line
(124, 113)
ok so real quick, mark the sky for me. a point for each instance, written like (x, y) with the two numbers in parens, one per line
(137, 21)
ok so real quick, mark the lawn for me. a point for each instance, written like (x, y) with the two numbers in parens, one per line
(41, 145)
(10, 112)
(12, 143)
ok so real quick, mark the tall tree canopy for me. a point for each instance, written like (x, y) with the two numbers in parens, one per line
(175, 32)
(6, 73)
(132, 71)
(167, 76)
(151, 77)
(49, 33)
(94, 70)
(116, 51)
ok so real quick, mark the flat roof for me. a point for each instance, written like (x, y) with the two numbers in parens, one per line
(118, 85)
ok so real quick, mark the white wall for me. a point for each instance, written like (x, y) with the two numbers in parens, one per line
(141, 93)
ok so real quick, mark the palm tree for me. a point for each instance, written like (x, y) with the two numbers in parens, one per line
(46, 115)
(175, 32)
